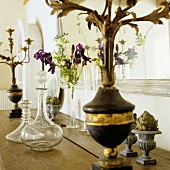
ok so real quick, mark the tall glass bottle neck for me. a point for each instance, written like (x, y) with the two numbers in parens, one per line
(41, 110)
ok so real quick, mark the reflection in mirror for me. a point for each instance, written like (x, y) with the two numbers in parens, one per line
(153, 56)
(156, 52)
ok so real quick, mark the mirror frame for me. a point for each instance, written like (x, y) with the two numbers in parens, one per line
(152, 87)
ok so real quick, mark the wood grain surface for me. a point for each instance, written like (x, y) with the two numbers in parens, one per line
(77, 151)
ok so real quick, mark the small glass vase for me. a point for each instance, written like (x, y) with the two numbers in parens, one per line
(123, 71)
(87, 78)
(73, 121)
(95, 77)
(41, 134)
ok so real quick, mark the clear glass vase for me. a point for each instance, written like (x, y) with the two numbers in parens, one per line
(123, 71)
(41, 134)
(95, 77)
(73, 121)
(87, 83)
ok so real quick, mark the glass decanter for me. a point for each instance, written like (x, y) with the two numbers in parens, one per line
(41, 134)
(15, 136)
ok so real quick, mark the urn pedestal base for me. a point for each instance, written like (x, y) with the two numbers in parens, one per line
(125, 166)
(146, 161)
(15, 113)
(129, 141)
(128, 154)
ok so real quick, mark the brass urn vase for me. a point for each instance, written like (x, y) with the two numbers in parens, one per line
(109, 118)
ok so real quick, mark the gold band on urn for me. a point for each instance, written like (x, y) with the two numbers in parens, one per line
(14, 93)
(109, 119)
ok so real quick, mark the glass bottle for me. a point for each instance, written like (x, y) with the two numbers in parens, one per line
(15, 136)
(42, 134)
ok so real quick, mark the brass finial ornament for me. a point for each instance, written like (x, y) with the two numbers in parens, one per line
(108, 116)
(15, 93)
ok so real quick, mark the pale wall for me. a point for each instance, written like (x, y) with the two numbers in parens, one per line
(38, 12)
(11, 11)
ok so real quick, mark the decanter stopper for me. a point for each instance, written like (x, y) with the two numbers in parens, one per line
(41, 77)
(15, 136)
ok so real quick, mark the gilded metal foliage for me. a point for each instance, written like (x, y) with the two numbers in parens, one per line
(103, 21)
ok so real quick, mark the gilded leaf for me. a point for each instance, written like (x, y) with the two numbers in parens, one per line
(89, 25)
(64, 13)
(54, 11)
(135, 26)
(134, 15)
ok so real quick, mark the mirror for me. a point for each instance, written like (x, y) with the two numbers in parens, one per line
(152, 57)
(152, 65)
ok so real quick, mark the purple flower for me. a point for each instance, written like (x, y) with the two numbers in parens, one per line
(47, 58)
(79, 47)
(77, 60)
(38, 55)
(130, 53)
(68, 63)
(72, 49)
(52, 68)
(79, 55)
(100, 54)
(86, 59)
(101, 47)
(116, 54)
(79, 51)
(119, 61)
(43, 56)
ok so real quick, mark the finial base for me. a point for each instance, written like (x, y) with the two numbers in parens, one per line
(124, 166)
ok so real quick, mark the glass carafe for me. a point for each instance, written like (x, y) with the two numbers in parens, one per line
(15, 136)
(42, 134)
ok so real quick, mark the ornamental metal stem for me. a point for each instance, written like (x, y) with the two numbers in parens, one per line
(11, 60)
(109, 27)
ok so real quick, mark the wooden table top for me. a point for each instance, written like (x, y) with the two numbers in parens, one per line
(77, 151)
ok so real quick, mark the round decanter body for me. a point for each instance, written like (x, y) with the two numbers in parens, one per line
(41, 134)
